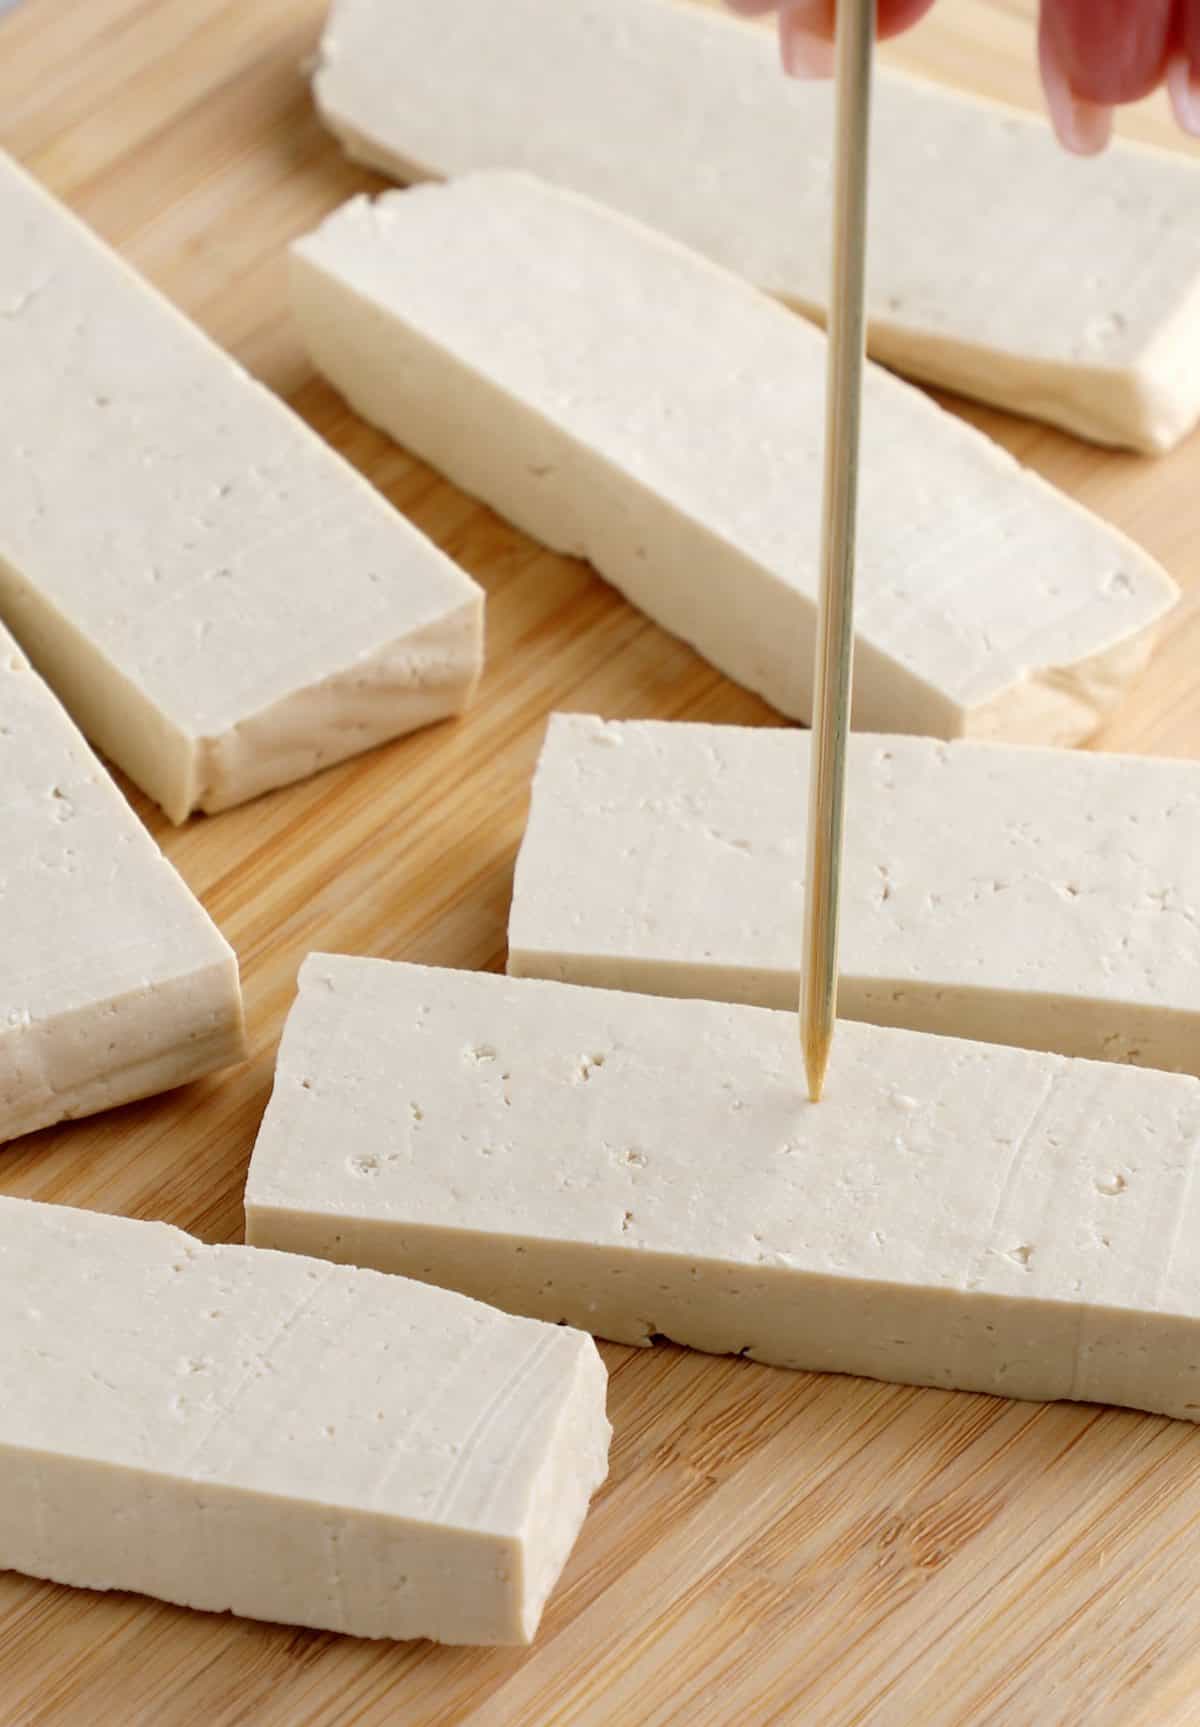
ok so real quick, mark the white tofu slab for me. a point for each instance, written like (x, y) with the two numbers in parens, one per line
(979, 221)
(220, 600)
(953, 1214)
(626, 401)
(114, 981)
(258, 1433)
(1045, 898)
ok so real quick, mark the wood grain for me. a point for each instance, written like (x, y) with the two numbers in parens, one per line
(771, 1548)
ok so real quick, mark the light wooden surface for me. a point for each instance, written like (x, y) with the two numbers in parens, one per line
(771, 1547)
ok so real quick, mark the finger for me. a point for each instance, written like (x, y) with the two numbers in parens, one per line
(1183, 68)
(898, 15)
(1083, 127)
(806, 38)
(1108, 51)
(806, 30)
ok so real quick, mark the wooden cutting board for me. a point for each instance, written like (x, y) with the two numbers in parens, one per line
(770, 1547)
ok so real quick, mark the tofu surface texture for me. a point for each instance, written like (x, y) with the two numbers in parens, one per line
(953, 1214)
(221, 601)
(977, 221)
(1047, 898)
(114, 981)
(283, 1439)
(582, 374)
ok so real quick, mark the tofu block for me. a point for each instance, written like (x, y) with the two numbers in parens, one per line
(626, 401)
(114, 981)
(260, 1434)
(1046, 898)
(223, 603)
(952, 1214)
(680, 117)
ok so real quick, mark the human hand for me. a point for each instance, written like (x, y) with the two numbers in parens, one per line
(1093, 54)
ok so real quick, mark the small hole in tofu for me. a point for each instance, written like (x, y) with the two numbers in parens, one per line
(1111, 1185)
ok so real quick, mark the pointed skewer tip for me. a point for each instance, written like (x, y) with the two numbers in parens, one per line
(816, 1065)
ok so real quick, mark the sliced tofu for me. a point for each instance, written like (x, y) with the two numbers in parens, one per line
(626, 401)
(680, 116)
(261, 1434)
(1037, 897)
(114, 981)
(223, 603)
(952, 1214)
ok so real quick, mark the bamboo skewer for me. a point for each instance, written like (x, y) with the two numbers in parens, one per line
(833, 677)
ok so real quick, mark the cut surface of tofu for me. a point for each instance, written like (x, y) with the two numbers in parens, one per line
(258, 1433)
(953, 1214)
(114, 981)
(582, 374)
(978, 219)
(222, 602)
(1046, 898)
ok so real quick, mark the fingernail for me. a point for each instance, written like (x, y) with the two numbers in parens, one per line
(805, 54)
(1082, 127)
(1183, 87)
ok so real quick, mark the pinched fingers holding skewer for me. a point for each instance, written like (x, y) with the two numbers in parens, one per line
(1094, 54)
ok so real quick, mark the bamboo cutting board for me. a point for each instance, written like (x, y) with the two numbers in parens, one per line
(771, 1547)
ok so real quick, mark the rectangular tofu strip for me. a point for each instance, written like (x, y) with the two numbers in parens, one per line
(1028, 896)
(261, 1434)
(114, 981)
(979, 221)
(624, 400)
(222, 602)
(952, 1214)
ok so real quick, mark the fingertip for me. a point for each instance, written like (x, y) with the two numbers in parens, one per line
(1183, 87)
(805, 54)
(1084, 128)
(1080, 126)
